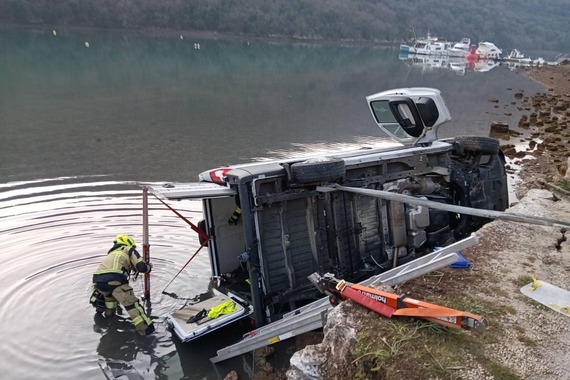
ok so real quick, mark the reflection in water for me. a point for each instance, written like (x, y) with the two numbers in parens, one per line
(459, 65)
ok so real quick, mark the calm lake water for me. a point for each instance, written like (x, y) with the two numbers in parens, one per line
(79, 126)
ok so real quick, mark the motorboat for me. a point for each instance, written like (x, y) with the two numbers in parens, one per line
(427, 46)
(488, 50)
(516, 56)
(460, 49)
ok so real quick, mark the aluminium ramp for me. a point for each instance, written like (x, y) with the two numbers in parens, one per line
(311, 317)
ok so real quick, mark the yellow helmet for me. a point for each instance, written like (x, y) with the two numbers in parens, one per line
(124, 240)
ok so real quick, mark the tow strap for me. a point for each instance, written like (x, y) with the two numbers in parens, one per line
(197, 229)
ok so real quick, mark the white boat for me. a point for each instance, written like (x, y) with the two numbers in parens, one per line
(488, 50)
(538, 62)
(516, 56)
(460, 49)
(427, 46)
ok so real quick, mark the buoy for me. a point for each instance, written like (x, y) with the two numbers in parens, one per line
(86, 44)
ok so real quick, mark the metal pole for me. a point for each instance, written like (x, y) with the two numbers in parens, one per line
(146, 245)
(493, 214)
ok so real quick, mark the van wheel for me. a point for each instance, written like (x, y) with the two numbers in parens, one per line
(479, 144)
(318, 170)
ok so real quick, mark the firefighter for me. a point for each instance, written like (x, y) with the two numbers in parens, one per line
(111, 283)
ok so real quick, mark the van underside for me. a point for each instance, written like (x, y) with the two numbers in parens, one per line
(294, 230)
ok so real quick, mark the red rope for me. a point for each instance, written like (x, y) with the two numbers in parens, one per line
(200, 232)
(187, 262)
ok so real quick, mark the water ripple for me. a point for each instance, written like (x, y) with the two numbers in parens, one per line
(53, 234)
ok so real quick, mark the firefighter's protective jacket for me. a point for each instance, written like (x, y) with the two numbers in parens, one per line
(118, 264)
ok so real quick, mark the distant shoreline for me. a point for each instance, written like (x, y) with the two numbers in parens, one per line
(208, 35)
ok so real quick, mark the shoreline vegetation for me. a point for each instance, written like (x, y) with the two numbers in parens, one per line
(529, 25)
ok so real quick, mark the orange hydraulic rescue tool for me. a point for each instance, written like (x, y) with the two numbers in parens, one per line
(390, 304)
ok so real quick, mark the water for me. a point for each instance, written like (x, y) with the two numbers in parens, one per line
(79, 127)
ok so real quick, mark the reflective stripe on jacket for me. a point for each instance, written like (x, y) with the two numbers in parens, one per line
(121, 260)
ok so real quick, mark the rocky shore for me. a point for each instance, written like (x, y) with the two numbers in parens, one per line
(524, 339)
(541, 154)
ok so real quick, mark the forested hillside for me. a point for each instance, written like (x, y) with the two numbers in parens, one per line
(526, 24)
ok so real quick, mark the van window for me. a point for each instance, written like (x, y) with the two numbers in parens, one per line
(386, 119)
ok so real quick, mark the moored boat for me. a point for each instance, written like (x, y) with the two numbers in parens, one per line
(516, 56)
(427, 46)
(488, 50)
(460, 49)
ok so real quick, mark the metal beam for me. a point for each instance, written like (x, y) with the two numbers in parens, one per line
(493, 214)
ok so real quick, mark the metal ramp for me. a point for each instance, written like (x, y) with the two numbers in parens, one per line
(311, 317)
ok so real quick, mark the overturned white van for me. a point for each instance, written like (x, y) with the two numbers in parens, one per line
(270, 225)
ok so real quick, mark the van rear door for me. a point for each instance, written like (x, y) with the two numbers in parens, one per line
(225, 244)
(190, 190)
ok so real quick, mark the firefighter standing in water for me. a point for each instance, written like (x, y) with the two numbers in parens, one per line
(111, 283)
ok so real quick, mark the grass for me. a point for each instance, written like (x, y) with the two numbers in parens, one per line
(522, 281)
(564, 184)
(407, 348)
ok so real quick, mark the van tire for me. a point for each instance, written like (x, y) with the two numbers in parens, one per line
(479, 144)
(318, 170)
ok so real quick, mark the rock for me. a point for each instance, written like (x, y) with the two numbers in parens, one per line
(231, 376)
(499, 127)
(336, 348)
(263, 352)
(304, 364)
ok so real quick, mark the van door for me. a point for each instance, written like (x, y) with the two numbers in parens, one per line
(190, 190)
(226, 242)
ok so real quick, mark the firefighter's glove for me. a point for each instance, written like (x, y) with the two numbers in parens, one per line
(234, 218)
